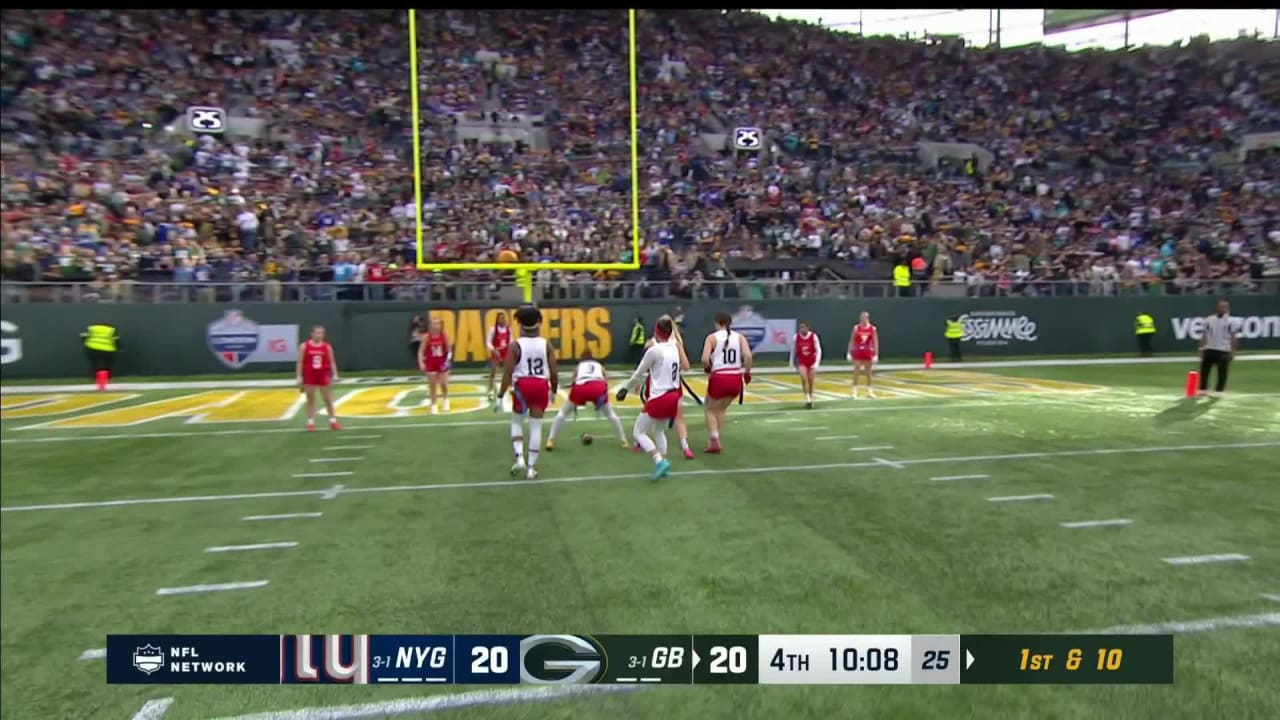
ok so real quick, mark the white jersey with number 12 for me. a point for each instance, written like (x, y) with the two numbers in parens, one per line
(533, 359)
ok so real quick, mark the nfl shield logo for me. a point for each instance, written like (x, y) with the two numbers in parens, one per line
(751, 325)
(233, 339)
(148, 658)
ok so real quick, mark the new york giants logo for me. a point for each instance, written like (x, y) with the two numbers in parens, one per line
(325, 659)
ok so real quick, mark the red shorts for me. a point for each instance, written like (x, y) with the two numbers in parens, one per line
(500, 356)
(806, 362)
(316, 378)
(530, 393)
(665, 406)
(592, 392)
(437, 365)
(723, 385)
(863, 355)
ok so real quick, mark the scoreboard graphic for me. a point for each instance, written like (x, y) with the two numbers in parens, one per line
(640, 659)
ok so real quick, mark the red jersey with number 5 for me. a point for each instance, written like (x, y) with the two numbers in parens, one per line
(317, 368)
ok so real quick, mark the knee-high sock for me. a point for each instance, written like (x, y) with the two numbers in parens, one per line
(661, 441)
(616, 422)
(641, 433)
(535, 440)
(565, 409)
(517, 436)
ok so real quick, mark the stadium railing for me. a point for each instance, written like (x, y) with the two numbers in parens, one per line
(464, 290)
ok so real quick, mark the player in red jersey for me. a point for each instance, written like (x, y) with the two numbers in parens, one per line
(590, 387)
(530, 373)
(318, 370)
(806, 356)
(864, 351)
(682, 429)
(434, 361)
(726, 357)
(496, 341)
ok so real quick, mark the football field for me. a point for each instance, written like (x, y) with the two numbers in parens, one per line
(1009, 499)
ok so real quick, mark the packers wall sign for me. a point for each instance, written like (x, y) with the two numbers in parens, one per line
(571, 330)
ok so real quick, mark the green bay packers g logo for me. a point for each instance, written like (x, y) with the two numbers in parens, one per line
(560, 660)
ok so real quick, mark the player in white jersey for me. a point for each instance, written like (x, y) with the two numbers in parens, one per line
(590, 387)
(661, 365)
(532, 365)
(682, 429)
(726, 357)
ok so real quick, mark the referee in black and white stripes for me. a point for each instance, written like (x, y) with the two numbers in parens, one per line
(1217, 347)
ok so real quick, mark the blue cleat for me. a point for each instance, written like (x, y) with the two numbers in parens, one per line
(661, 470)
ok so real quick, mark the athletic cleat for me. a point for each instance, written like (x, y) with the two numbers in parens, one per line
(626, 445)
(688, 454)
(333, 425)
(808, 405)
(446, 406)
(855, 393)
(871, 392)
(551, 444)
(713, 447)
(311, 427)
(518, 469)
(661, 470)
(435, 409)
(531, 474)
(637, 448)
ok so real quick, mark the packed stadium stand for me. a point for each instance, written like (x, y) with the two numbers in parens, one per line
(991, 170)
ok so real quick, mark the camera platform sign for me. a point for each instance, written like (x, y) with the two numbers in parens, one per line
(206, 119)
(748, 138)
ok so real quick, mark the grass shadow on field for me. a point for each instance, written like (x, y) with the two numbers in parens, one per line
(1185, 409)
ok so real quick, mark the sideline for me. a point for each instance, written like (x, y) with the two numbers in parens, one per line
(479, 377)
(640, 475)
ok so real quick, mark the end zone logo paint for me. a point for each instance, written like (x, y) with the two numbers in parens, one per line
(237, 341)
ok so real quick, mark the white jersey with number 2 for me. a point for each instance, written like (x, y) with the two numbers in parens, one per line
(588, 370)
(726, 356)
(533, 359)
(662, 364)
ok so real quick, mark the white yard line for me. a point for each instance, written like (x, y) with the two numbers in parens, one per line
(1273, 597)
(936, 406)
(870, 448)
(890, 463)
(1191, 626)
(1019, 498)
(337, 459)
(807, 428)
(1117, 522)
(433, 703)
(255, 546)
(215, 587)
(1205, 559)
(477, 377)
(783, 420)
(349, 447)
(153, 709)
(837, 437)
(333, 492)
(94, 654)
(950, 478)
(284, 516)
(638, 474)
(343, 473)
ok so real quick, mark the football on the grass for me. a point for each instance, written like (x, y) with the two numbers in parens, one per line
(586, 438)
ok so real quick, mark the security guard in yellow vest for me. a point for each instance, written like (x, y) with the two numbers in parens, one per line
(1144, 326)
(637, 340)
(100, 344)
(902, 279)
(954, 334)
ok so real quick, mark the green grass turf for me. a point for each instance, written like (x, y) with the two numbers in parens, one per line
(841, 550)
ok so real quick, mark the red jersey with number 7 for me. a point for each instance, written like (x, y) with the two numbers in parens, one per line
(864, 342)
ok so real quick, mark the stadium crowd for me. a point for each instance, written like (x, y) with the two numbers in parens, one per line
(1098, 171)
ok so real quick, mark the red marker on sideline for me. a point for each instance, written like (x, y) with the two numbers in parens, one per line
(928, 360)
(1193, 383)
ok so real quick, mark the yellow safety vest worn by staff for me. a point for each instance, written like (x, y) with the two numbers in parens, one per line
(637, 334)
(100, 337)
(1144, 325)
(901, 276)
(955, 330)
